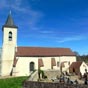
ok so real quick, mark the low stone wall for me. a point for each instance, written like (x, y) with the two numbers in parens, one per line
(52, 73)
(32, 84)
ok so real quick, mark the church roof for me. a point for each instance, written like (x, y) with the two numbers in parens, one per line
(43, 51)
(9, 22)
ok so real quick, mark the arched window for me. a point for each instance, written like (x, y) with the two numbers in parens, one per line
(32, 66)
(10, 36)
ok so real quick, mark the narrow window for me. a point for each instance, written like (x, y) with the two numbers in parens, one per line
(58, 64)
(10, 36)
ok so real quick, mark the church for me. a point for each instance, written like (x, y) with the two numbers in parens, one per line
(21, 61)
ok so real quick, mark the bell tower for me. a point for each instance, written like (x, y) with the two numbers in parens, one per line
(9, 30)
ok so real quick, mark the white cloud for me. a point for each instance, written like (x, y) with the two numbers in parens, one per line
(75, 38)
(33, 17)
(18, 6)
(46, 32)
(20, 9)
(18, 2)
(10, 4)
(3, 4)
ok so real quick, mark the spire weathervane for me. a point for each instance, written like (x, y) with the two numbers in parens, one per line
(10, 11)
(9, 2)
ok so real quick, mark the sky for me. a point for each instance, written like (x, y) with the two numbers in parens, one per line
(48, 23)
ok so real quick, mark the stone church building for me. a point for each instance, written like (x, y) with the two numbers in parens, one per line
(21, 61)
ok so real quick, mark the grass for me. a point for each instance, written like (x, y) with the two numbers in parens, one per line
(15, 82)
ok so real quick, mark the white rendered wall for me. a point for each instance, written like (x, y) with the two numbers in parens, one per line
(22, 66)
(83, 67)
(23, 69)
(67, 58)
(8, 50)
(5, 36)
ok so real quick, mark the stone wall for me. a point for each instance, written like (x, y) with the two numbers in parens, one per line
(31, 84)
(52, 74)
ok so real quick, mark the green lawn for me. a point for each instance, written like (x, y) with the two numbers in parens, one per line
(15, 82)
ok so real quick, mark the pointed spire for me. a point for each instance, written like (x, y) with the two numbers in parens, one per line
(9, 21)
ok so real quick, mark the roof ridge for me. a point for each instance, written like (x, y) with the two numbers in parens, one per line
(41, 47)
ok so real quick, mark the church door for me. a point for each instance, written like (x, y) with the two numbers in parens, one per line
(31, 66)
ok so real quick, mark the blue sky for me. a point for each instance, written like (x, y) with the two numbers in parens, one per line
(49, 23)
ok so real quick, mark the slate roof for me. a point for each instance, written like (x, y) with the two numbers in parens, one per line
(9, 22)
(43, 51)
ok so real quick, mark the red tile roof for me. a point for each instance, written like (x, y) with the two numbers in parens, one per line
(75, 67)
(43, 51)
(76, 64)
